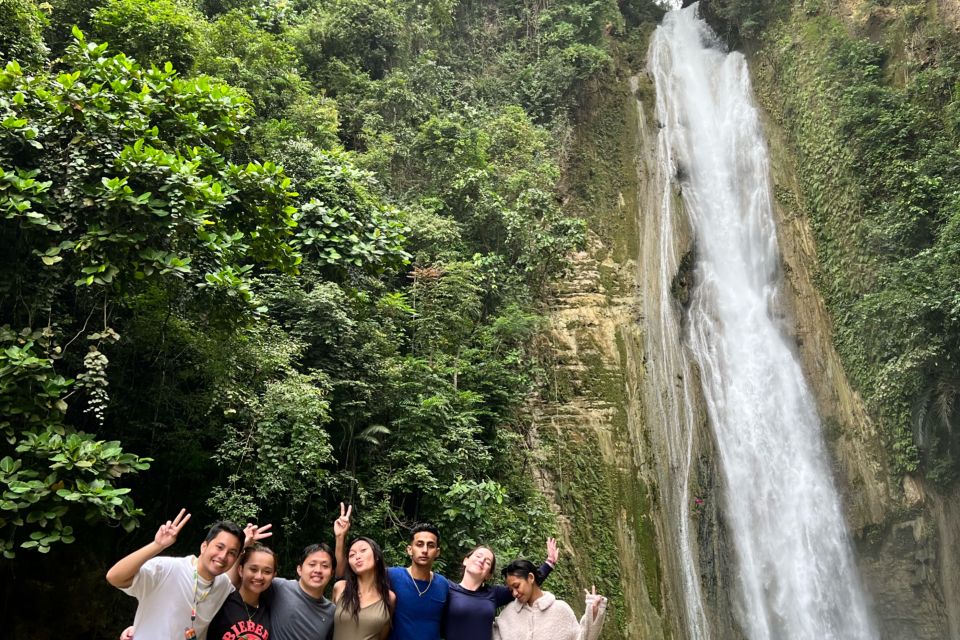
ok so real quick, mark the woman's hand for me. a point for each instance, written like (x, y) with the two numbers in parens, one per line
(254, 533)
(595, 602)
(127, 634)
(342, 524)
(552, 552)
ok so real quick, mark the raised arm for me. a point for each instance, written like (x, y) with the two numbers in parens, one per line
(503, 595)
(553, 554)
(592, 621)
(338, 591)
(121, 574)
(340, 528)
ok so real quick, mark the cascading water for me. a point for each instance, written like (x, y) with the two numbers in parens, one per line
(796, 574)
(670, 385)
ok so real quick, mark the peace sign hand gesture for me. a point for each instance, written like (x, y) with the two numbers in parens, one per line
(254, 533)
(168, 531)
(596, 603)
(342, 524)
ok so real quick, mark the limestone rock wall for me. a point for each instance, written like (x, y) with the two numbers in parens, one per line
(588, 424)
(602, 460)
(599, 447)
(905, 536)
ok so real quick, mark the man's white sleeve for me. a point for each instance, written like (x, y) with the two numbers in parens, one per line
(148, 577)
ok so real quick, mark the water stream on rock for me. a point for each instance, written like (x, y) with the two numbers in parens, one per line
(794, 566)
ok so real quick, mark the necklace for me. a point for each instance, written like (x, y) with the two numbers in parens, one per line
(416, 586)
(198, 596)
(246, 608)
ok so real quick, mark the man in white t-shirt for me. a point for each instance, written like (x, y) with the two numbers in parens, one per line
(178, 597)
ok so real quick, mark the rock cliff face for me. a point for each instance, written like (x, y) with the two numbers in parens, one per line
(899, 530)
(604, 463)
(589, 425)
(602, 446)
(905, 533)
(947, 11)
(595, 343)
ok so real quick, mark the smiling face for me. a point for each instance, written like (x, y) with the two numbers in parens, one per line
(479, 563)
(424, 549)
(217, 555)
(522, 589)
(360, 557)
(257, 572)
(315, 572)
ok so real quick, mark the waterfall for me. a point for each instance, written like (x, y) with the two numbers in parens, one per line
(670, 383)
(794, 565)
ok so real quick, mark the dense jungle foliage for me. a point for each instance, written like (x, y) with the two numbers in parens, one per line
(871, 100)
(261, 256)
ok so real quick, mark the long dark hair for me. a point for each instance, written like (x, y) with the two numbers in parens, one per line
(350, 598)
(520, 569)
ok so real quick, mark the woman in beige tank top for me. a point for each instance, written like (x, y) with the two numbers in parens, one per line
(364, 600)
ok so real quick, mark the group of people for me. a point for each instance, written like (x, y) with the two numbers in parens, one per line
(231, 591)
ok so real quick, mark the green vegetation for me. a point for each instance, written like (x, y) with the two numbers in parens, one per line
(21, 33)
(742, 22)
(874, 124)
(264, 256)
(589, 464)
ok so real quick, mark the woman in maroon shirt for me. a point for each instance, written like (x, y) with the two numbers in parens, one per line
(244, 614)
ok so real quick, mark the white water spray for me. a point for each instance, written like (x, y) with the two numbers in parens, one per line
(795, 570)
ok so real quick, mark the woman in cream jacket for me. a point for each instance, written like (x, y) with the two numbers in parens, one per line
(538, 615)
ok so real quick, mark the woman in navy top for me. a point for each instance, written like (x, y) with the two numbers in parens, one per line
(472, 605)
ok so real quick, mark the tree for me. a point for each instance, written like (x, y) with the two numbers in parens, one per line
(152, 31)
(365, 34)
(112, 180)
(21, 32)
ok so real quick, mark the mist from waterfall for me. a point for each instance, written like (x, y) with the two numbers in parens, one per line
(794, 565)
